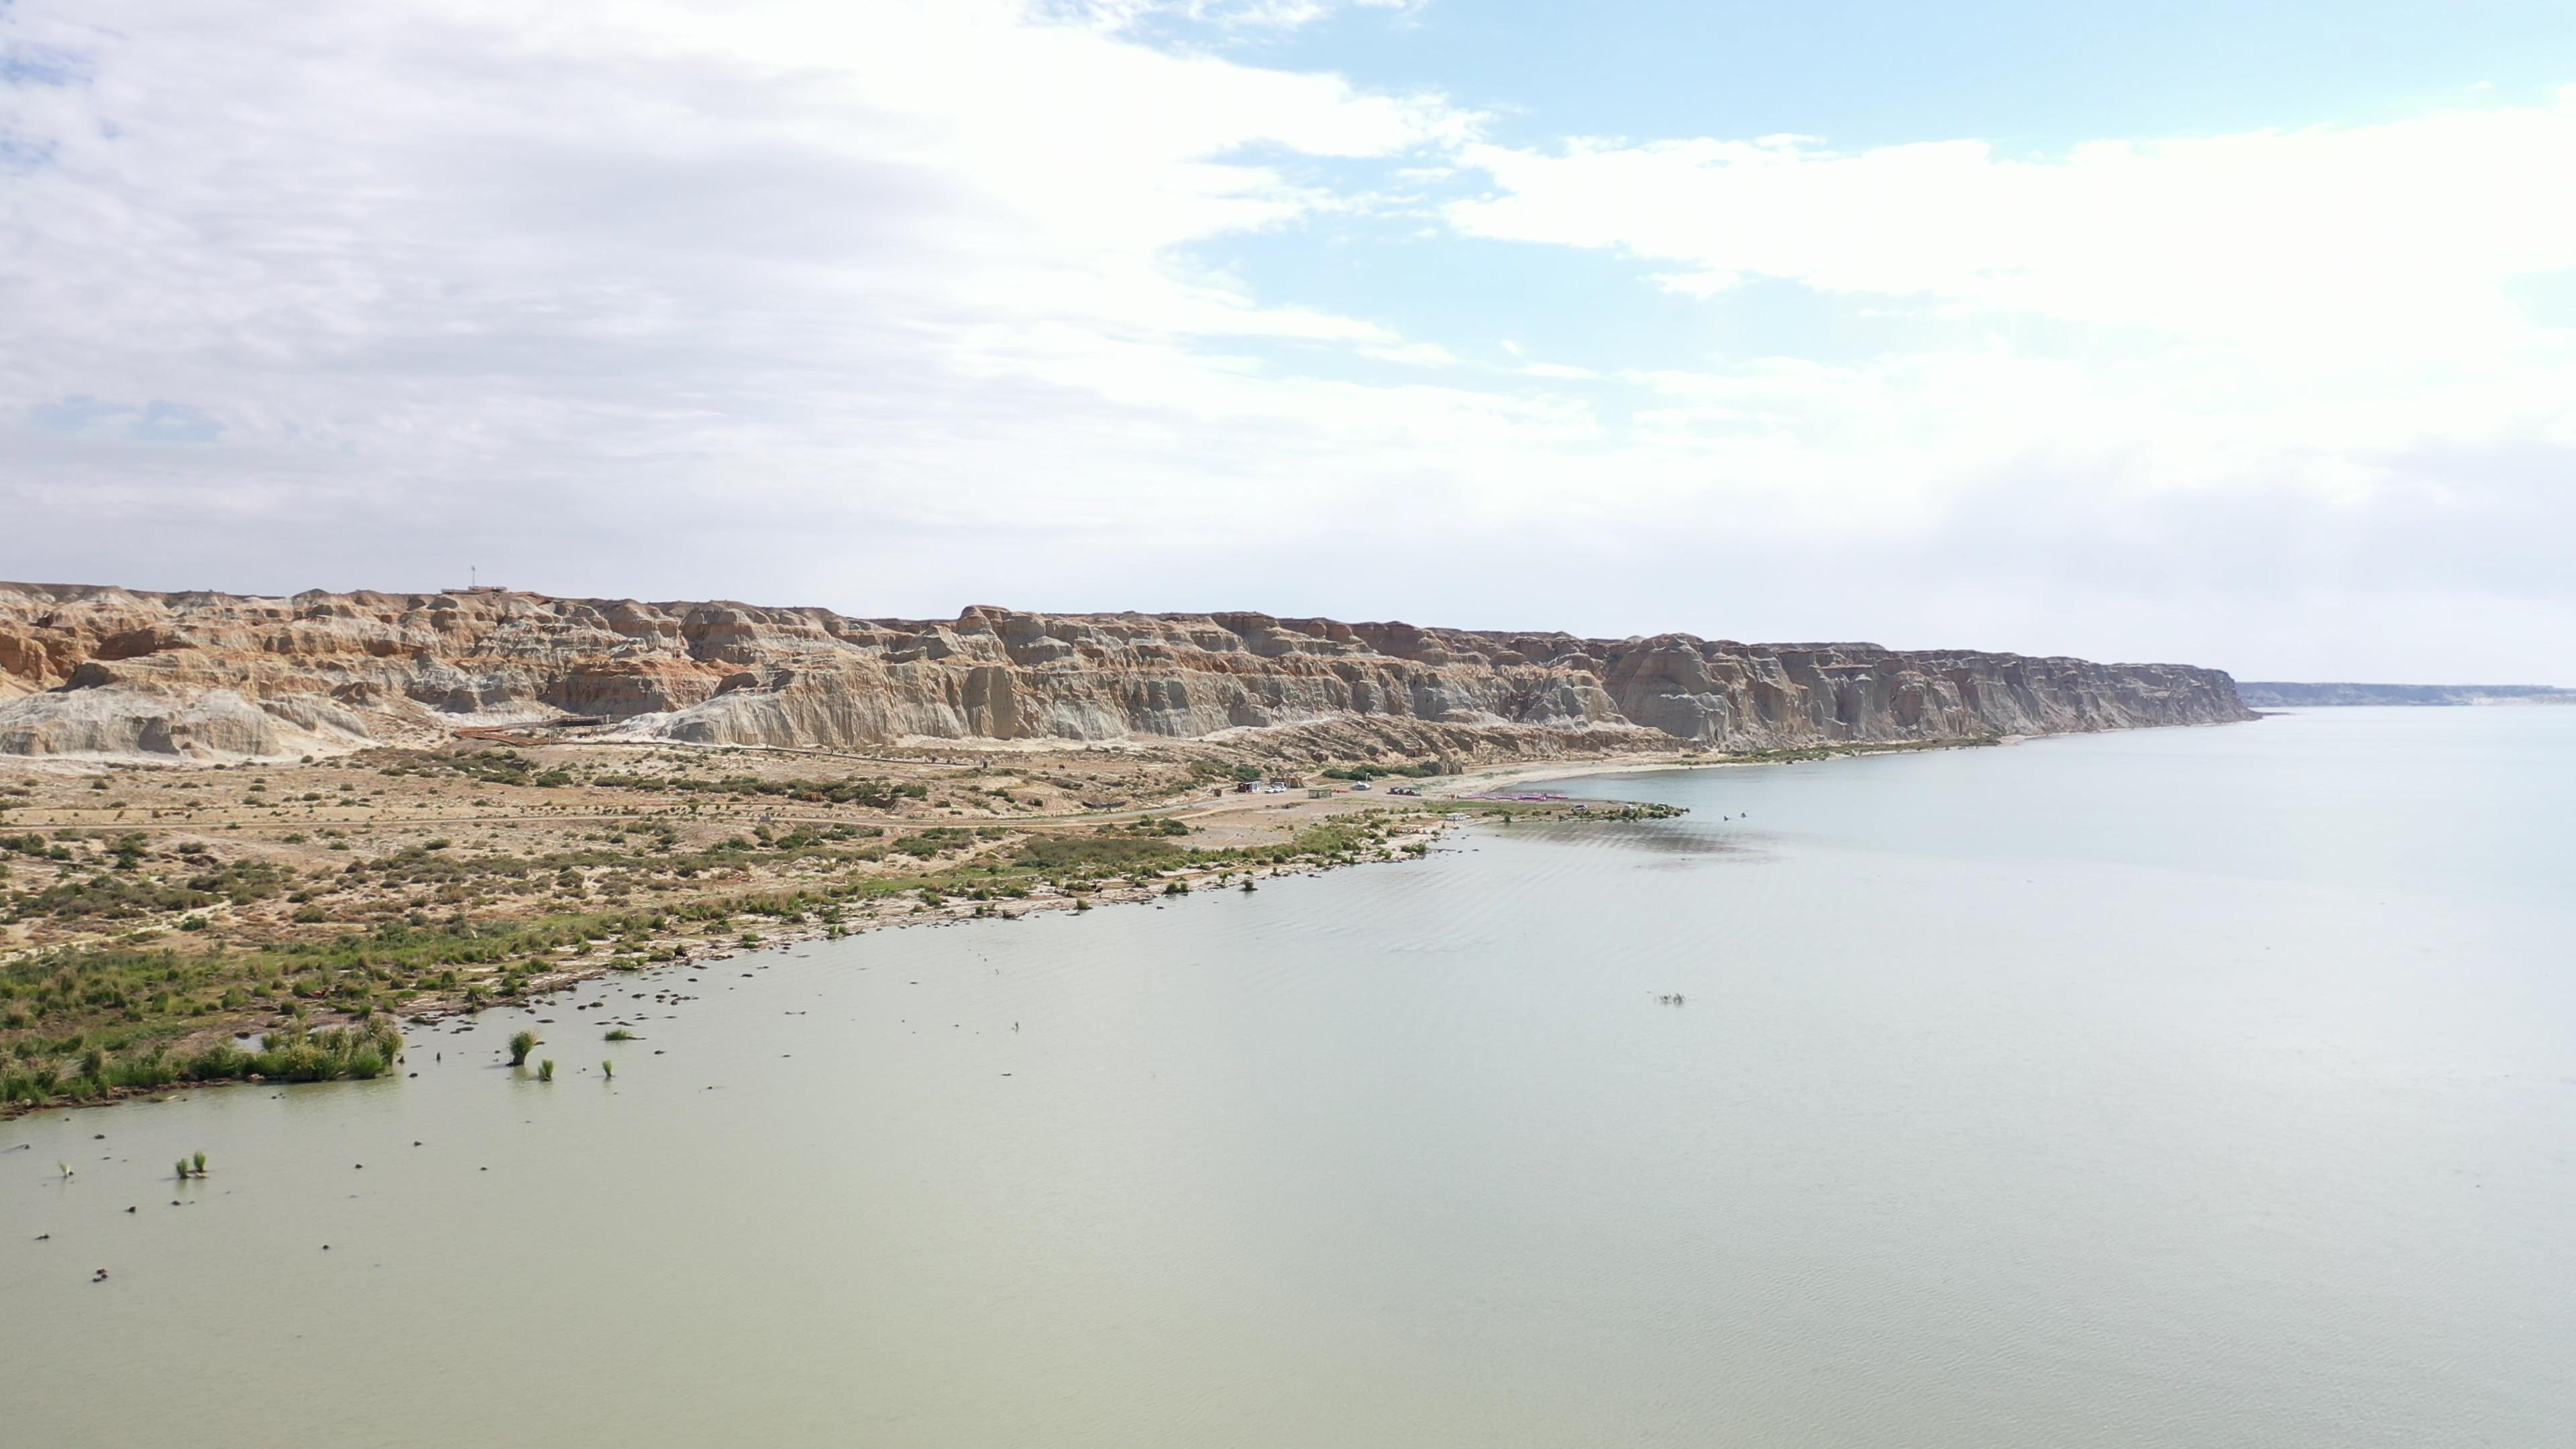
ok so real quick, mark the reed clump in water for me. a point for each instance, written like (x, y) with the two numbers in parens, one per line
(546, 1070)
(293, 1052)
(522, 1043)
(297, 1053)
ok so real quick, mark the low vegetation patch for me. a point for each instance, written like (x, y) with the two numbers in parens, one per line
(289, 1053)
(1102, 850)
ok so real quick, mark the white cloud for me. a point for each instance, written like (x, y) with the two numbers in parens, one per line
(2301, 315)
(2395, 237)
(892, 306)
(456, 238)
(1225, 15)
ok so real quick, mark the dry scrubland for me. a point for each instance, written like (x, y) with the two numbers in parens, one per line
(171, 923)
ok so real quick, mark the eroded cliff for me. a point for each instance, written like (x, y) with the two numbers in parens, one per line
(106, 671)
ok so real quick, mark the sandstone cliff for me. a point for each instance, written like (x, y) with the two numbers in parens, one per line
(106, 671)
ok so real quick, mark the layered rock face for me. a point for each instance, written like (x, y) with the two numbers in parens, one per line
(109, 671)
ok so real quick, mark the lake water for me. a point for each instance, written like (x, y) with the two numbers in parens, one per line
(2184, 1087)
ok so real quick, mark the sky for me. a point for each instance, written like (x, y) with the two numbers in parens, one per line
(2176, 332)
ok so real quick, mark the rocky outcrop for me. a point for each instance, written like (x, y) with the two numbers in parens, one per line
(87, 670)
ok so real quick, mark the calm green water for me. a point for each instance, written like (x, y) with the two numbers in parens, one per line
(2194, 1087)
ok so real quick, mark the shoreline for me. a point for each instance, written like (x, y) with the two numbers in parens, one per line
(1392, 829)
(1534, 772)
(691, 951)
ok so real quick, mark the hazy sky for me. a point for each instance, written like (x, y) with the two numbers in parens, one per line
(2177, 333)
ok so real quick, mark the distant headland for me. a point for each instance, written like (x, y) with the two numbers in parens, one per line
(2279, 694)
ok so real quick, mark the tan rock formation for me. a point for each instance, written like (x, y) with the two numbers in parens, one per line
(91, 670)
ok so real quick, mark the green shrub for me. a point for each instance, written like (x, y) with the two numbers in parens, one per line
(288, 1054)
